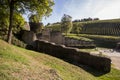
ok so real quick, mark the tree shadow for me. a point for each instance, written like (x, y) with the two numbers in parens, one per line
(92, 71)
(52, 51)
(88, 69)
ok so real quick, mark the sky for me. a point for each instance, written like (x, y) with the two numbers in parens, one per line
(78, 9)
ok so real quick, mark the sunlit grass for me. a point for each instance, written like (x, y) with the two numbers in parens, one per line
(21, 64)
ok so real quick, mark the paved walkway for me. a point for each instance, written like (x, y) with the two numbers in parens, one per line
(114, 55)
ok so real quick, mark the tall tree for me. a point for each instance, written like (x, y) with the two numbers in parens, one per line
(77, 27)
(38, 7)
(66, 24)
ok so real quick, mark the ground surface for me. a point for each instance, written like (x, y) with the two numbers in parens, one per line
(21, 64)
(114, 55)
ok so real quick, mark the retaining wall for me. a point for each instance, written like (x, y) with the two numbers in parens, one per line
(74, 56)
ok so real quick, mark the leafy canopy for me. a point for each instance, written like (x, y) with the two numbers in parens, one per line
(18, 21)
(66, 24)
(38, 7)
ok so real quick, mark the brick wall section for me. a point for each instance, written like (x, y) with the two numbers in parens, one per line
(74, 56)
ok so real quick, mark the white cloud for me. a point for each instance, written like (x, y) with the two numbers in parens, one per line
(110, 11)
(103, 9)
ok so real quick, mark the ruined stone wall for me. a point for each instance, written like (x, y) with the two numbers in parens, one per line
(74, 56)
(29, 37)
(46, 34)
(78, 43)
(56, 37)
(36, 27)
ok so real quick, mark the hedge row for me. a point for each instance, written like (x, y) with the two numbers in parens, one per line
(74, 56)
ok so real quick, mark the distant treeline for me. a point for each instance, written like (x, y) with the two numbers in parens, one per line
(86, 19)
(78, 20)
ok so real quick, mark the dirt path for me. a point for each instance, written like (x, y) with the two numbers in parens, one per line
(115, 57)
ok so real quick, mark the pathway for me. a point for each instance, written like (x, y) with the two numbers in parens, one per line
(114, 55)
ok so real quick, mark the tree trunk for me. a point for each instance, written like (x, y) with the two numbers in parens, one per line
(9, 36)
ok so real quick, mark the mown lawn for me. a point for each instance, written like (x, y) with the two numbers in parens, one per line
(21, 64)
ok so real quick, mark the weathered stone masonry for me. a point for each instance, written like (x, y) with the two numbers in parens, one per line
(74, 56)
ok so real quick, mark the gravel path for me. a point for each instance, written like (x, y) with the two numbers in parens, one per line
(114, 55)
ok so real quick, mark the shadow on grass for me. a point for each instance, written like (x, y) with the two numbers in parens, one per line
(92, 71)
(88, 69)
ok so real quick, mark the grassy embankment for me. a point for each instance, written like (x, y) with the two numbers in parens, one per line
(21, 64)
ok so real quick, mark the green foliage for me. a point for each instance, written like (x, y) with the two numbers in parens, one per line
(15, 41)
(4, 21)
(54, 27)
(77, 27)
(102, 40)
(99, 27)
(34, 19)
(66, 24)
(66, 18)
(38, 7)
(35, 25)
(18, 23)
(18, 43)
(66, 27)
(78, 37)
(102, 37)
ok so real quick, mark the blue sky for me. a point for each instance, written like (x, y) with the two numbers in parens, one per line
(103, 9)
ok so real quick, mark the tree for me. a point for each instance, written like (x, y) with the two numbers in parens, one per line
(38, 7)
(66, 24)
(78, 27)
(18, 23)
(34, 18)
(4, 21)
(35, 25)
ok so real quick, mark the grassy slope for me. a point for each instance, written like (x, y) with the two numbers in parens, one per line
(21, 64)
(87, 36)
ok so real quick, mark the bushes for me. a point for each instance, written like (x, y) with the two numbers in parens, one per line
(15, 41)
(19, 43)
(74, 56)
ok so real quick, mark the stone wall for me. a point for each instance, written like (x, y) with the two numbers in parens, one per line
(36, 27)
(29, 37)
(45, 34)
(56, 37)
(74, 56)
(78, 43)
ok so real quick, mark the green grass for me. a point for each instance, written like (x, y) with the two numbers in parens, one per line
(75, 36)
(112, 38)
(21, 64)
